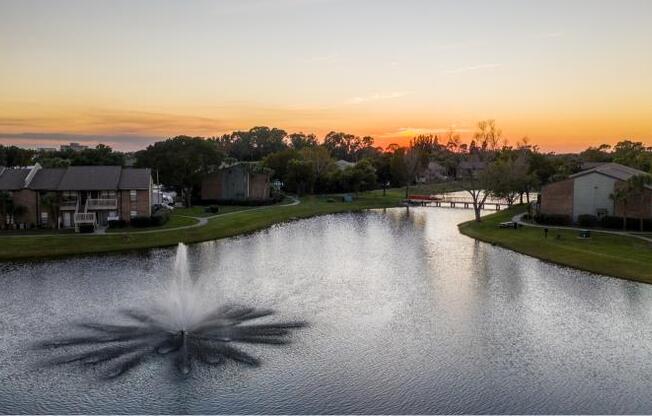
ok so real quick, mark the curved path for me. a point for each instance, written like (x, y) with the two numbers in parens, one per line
(519, 220)
(201, 221)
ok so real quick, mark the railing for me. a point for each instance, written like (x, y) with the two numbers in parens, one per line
(68, 204)
(102, 203)
(84, 218)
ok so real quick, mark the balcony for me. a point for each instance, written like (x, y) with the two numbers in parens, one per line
(85, 218)
(68, 205)
(97, 204)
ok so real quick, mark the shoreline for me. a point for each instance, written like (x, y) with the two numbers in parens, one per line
(238, 223)
(618, 256)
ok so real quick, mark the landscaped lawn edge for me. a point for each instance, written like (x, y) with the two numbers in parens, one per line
(238, 223)
(618, 269)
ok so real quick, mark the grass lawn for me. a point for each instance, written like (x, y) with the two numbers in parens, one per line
(199, 210)
(246, 221)
(175, 221)
(619, 256)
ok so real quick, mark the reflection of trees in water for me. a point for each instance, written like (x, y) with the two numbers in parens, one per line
(211, 341)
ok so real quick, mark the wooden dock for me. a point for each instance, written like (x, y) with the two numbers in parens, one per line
(449, 201)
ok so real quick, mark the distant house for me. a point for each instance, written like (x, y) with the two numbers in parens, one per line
(588, 193)
(241, 181)
(470, 168)
(82, 194)
(432, 173)
(75, 147)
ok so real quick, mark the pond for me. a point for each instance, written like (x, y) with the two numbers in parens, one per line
(405, 316)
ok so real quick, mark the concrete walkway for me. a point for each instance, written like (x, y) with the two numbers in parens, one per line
(519, 220)
(201, 221)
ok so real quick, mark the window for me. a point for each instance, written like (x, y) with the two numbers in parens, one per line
(44, 218)
(132, 195)
(107, 195)
(133, 214)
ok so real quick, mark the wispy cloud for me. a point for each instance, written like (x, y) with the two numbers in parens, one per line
(471, 68)
(323, 58)
(549, 35)
(378, 96)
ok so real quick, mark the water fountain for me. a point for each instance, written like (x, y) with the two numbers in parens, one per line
(181, 322)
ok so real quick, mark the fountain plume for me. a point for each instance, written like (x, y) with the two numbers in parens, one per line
(181, 322)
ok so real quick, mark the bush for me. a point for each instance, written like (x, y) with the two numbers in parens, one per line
(553, 219)
(117, 224)
(587, 220)
(633, 224)
(86, 228)
(160, 217)
(141, 221)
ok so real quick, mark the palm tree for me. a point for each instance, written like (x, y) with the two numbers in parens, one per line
(632, 188)
(51, 203)
(621, 195)
(6, 207)
(636, 186)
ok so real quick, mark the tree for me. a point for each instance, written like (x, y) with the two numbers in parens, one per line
(631, 189)
(278, 162)
(360, 177)
(322, 164)
(488, 135)
(6, 207)
(344, 146)
(181, 162)
(300, 176)
(51, 202)
(14, 156)
(251, 145)
(383, 170)
(299, 141)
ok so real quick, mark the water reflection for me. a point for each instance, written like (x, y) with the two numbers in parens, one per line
(406, 314)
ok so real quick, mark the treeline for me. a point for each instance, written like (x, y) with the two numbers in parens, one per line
(344, 162)
(13, 156)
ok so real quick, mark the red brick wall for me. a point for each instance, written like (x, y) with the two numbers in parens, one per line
(142, 204)
(639, 206)
(259, 187)
(28, 199)
(557, 198)
(211, 187)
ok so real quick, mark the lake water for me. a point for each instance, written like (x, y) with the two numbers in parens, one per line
(406, 316)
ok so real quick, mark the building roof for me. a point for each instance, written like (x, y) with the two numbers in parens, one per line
(90, 178)
(135, 179)
(75, 178)
(613, 170)
(13, 179)
(47, 179)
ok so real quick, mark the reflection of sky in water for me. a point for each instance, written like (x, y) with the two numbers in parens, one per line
(406, 316)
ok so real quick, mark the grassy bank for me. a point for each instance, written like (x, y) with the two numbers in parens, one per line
(235, 223)
(619, 256)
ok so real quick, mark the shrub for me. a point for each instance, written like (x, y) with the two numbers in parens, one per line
(117, 224)
(86, 228)
(141, 221)
(587, 220)
(160, 217)
(553, 219)
(633, 224)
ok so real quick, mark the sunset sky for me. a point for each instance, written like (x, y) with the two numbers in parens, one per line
(567, 74)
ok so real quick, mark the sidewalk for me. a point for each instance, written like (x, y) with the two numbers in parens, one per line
(519, 220)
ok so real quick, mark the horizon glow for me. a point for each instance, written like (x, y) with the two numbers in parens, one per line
(568, 75)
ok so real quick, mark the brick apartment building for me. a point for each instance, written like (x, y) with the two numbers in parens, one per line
(77, 195)
(241, 181)
(588, 193)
